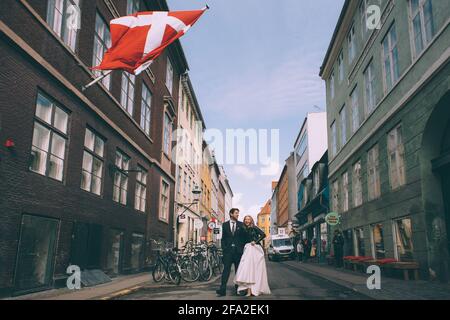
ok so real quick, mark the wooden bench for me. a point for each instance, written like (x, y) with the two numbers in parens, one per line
(405, 267)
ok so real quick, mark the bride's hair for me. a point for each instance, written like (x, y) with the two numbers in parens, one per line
(252, 224)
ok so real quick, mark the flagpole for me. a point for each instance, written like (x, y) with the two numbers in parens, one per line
(96, 80)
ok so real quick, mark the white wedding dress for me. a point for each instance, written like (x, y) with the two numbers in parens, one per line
(252, 272)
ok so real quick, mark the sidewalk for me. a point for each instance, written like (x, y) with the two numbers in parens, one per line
(391, 289)
(119, 286)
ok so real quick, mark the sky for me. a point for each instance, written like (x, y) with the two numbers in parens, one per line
(254, 65)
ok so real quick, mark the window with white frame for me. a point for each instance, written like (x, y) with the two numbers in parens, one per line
(120, 188)
(343, 119)
(396, 159)
(373, 173)
(141, 189)
(354, 100)
(164, 208)
(185, 185)
(332, 85)
(357, 184)
(334, 146)
(127, 92)
(345, 192)
(351, 44)
(370, 88)
(390, 59)
(102, 42)
(336, 196)
(341, 66)
(93, 160)
(422, 24)
(133, 6)
(48, 150)
(167, 134)
(169, 76)
(64, 17)
(146, 108)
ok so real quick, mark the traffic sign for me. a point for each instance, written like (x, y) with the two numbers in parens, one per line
(211, 225)
(198, 224)
(216, 230)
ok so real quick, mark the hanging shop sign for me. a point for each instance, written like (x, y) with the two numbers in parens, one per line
(332, 218)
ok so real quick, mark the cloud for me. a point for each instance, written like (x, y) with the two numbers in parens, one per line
(272, 170)
(244, 172)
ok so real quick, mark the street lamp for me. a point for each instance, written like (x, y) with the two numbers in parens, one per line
(196, 193)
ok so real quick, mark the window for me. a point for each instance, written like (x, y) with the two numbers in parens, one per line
(167, 134)
(64, 18)
(121, 178)
(378, 241)
(185, 184)
(403, 239)
(146, 107)
(343, 116)
(179, 179)
(302, 146)
(359, 237)
(363, 15)
(421, 17)
(333, 139)
(127, 92)
(141, 189)
(351, 45)
(336, 196)
(345, 194)
(137, 245)
(49, 139)
(369, 81)
(169, 76)
(373, 173)
(396, 156)
(317, 181)
(332, 85)
(355, 110)
(341, 66)
(357, 184)
(164, 209)
(133, 6)
(390, 59)
(93, 160)
(102, 41)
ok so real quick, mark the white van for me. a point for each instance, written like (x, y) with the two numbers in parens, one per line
(281, 247)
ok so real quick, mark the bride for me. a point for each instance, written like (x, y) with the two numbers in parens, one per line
(252, 274)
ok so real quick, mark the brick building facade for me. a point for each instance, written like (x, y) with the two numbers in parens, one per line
(89, 180)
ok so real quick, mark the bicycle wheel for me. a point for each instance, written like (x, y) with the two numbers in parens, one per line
(174, 274)
(158, 272)
(206, 270)
(189, 270)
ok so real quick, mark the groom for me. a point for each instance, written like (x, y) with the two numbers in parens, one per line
(233, 242)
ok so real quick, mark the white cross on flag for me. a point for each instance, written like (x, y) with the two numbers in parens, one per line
(139, 39)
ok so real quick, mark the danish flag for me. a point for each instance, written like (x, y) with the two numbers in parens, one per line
(138, 39)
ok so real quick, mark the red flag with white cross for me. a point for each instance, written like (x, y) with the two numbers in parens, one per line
(138, 39)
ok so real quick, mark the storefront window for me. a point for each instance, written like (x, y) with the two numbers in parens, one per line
(359, 235)
(324, 238)
(114, 251)
(348, 243)
(378, 241)
(36, 252)
(403, 239)
(136, 250)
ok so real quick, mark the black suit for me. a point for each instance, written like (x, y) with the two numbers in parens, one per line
(233, 248)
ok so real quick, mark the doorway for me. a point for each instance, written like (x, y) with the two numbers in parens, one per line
(36, 253)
